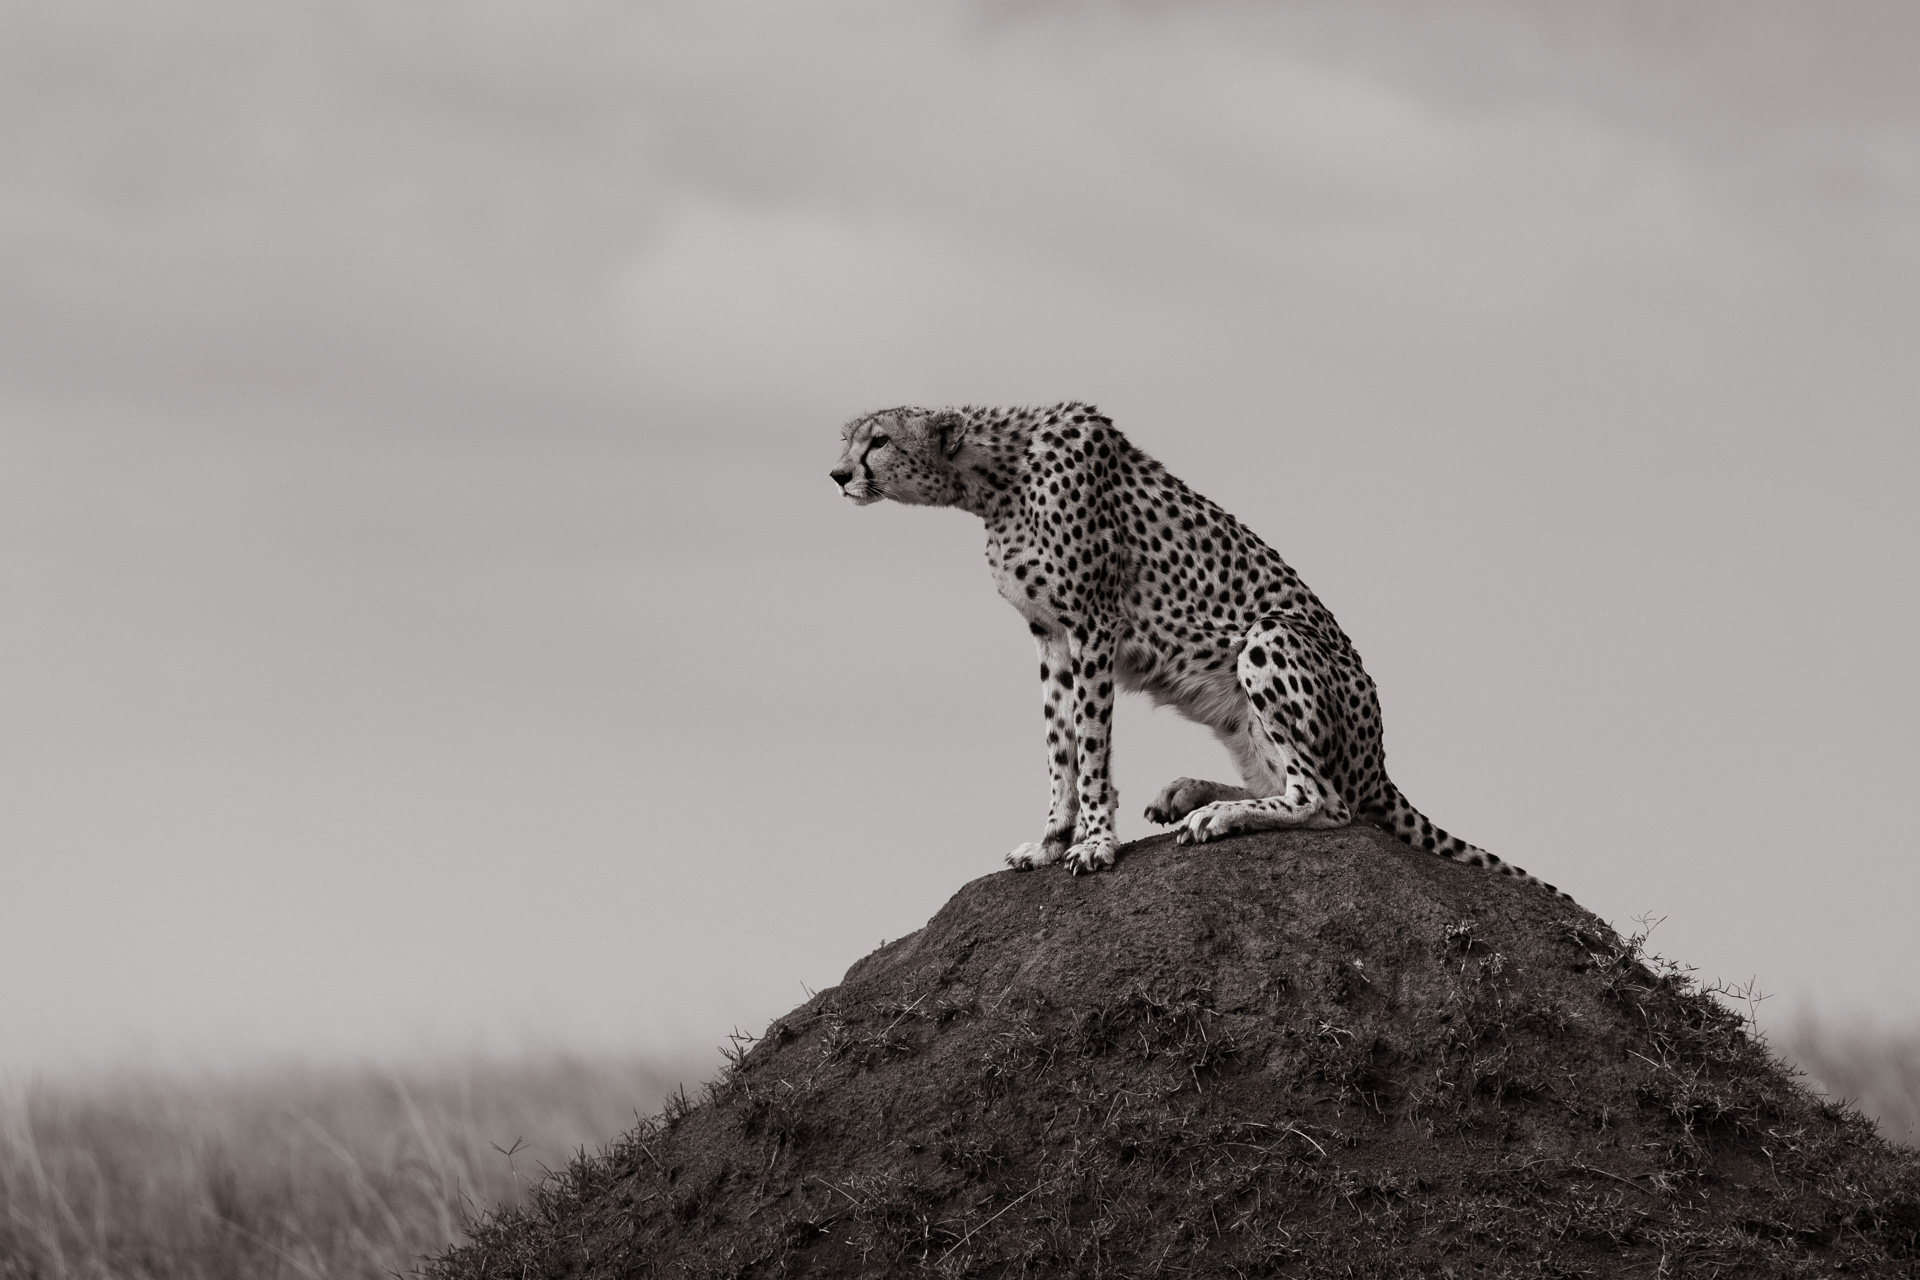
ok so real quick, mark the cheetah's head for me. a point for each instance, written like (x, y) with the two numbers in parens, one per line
(905, 454)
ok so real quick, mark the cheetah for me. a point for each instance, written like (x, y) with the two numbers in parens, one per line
(1129, 580)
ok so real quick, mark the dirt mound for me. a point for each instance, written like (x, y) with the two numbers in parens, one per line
(1298, 1054)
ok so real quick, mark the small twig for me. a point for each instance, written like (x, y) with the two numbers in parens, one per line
(1587, 1168)
(989, 1222)
(848, 1194)
(904, 1012)
(1298, 1133)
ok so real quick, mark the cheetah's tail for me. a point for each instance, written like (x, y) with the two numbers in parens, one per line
(1407, 823)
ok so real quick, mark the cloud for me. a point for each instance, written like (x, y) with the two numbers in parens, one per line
(763, 200)
(804, 305)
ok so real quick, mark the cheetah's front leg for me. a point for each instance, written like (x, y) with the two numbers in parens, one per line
(1056, 690)
(1091, 652)
(1079, 701)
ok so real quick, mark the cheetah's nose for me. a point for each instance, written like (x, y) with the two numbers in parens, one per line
(841, 476)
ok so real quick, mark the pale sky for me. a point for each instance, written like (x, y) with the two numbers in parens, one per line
(426, 623)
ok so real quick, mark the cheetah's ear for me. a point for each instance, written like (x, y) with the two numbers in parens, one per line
(950, 429)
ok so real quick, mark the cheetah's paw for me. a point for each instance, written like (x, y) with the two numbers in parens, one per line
(1093, 855)
(1178, 799)
(1174, 801)
(1034, 853)
(1211, 822)
(1183, 795)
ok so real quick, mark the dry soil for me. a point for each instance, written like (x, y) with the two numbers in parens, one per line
(1292, 1054)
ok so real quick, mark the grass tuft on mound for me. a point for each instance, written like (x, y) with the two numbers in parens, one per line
(1297, 1054)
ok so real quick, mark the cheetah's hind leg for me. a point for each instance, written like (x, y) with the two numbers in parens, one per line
(1294, 722)
(1183, 795)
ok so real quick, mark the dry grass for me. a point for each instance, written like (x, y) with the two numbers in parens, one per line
(294, 1173)
(346, 1173)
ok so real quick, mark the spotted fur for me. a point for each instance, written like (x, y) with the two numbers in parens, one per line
(1128, 579)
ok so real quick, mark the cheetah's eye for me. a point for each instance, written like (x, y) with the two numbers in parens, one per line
(879, 442)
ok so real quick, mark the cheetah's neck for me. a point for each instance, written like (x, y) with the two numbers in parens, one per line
(988, 470)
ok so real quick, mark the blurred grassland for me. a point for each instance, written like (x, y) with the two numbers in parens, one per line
(291, 1172)
(1875, 1068)
(302, 1172)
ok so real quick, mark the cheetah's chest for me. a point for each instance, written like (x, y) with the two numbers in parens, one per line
(1027, 579)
